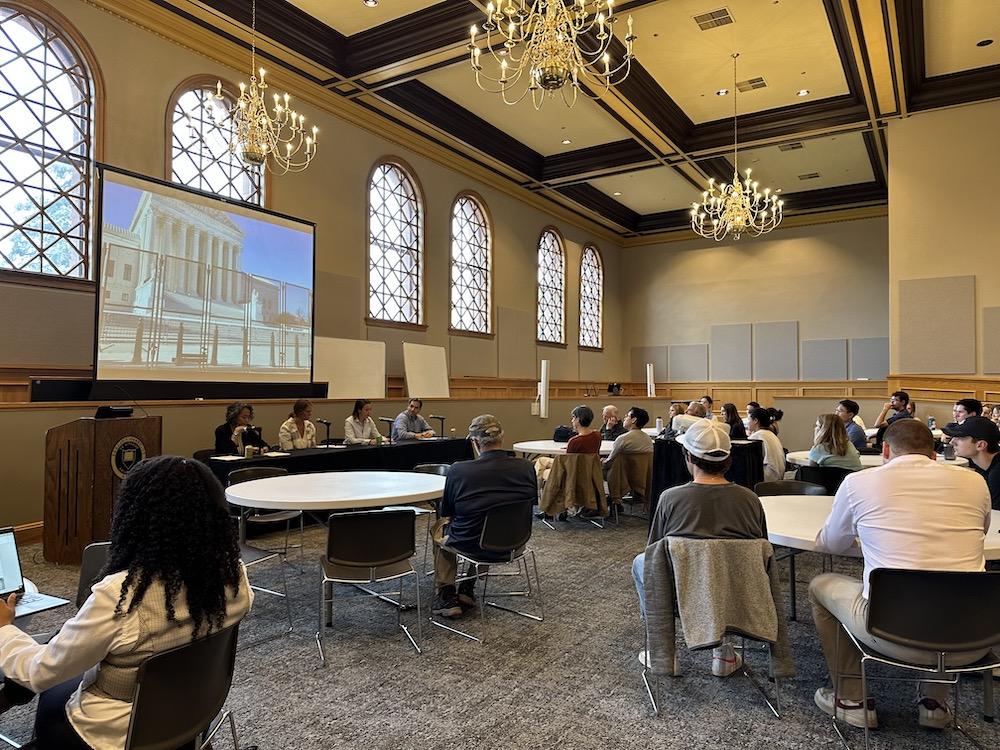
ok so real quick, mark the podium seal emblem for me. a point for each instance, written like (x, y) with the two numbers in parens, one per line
(127, 453)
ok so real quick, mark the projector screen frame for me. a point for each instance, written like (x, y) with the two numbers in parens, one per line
(245, 388)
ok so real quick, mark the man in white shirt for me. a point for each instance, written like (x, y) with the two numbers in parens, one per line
(912, 513)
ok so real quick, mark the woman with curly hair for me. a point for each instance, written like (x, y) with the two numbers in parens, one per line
(173, 575)
(238, 432)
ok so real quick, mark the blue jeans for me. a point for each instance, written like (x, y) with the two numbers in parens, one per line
(637, 567)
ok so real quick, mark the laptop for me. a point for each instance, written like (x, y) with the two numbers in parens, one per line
(12, 582)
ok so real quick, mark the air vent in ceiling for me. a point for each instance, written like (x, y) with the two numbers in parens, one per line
(750, 84)
(809, 176)
(795, 146)
(713, 19)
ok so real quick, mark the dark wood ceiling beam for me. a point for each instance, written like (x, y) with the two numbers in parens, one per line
(595, 200)
(596, 159)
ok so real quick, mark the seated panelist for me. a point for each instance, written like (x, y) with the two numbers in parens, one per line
(297, 431)
(238, 432)
(360, 428)
(173, 575)
(409, 425)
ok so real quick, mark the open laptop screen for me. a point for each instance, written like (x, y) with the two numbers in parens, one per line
(10, 565)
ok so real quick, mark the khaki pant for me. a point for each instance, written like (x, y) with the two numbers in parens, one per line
(445, 561)
(837, 600)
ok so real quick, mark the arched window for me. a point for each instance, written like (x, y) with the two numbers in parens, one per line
(200, 133)
(394, 239)
(551, 289)
(591, 298)
(46, 147)
(470, 266)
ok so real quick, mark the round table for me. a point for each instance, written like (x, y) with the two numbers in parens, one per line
(552, 448)
(867, 461)
(873, 431)
(339, 490)
(795, 520)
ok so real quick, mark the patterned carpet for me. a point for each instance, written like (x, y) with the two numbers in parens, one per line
(572, 681)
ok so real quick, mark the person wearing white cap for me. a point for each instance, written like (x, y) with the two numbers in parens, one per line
(709, 507)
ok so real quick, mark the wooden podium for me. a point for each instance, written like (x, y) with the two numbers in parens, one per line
(85, 462)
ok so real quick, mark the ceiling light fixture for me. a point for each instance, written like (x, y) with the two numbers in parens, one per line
(617, 193)
(802, 92)
(984, 42)
(550, 46)
(737, 207)
(566, 141)
(722, 92)
(260, 140)
(370, 3)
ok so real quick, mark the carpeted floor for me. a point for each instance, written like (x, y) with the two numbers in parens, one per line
(572, 681)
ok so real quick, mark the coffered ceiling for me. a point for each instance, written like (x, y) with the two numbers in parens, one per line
(834, 73)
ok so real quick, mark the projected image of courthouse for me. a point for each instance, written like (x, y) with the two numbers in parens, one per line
(175, 295)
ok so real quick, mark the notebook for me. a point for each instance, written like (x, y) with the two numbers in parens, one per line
(12, 582)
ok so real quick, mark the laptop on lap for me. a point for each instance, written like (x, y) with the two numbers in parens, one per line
(12, 581)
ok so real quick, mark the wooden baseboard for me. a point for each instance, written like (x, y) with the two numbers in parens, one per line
(29, 533)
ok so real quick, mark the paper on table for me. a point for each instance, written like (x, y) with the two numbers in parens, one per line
(331, 446)
(274, 454)
(227, 458)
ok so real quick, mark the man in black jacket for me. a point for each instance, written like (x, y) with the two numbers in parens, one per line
(470, 490)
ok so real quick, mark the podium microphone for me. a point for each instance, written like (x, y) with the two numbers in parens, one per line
(325, 423)
(438, 416)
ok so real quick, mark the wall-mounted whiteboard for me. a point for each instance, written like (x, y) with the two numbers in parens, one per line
(353, 368)
(426, 369)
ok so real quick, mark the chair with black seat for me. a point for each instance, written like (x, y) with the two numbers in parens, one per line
(944, 612)
(440, 470)
(366, 547)
(830, 477)
(789, 487)
(180, 695)
(254, 516)
(204, 454)
(504, 541)
(95, 555)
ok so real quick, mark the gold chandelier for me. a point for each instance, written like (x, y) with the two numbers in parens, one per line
(737, 207)
(279, 143)
(543, 46)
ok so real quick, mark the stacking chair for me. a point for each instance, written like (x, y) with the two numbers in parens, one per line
(789, 487)
(181, 691)
(253, 516)
(203, 455)
(575, 482)
(830, 477)
(944, 612)
(631, 474)
(505, 535)
(95, 555)
(365, 547)
(442, 471)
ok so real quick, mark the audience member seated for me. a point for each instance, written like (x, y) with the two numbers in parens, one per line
(708, 507)
(978, 439)
(634, 440)
(238, 432)
(297, 431)
(470, 490)
(675, 409)
(774, 455)
(996, 414)
(847, 410)
(737, 430)
(173, 575)
(695, 411)
(831, 446)
(751, 405)
(587, 439)
(911, 407)
(708, 403)
(612, 425)
(913, 513)
(409, 425)
(894, 410)
(776, 415)
(360, 428)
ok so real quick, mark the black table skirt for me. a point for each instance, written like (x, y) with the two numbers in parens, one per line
(396, 457)
(669, 469)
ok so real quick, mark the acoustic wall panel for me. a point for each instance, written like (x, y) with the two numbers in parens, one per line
(471, 356)
(991, 349)
(776, 350)
(870, 359)
(516, 343)
(687, 362)
(937, 325)
(730, 352)
(342, 300)
(824, 359)
(640, 355)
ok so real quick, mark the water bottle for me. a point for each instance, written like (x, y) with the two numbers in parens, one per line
(659, 425)
(931, 422)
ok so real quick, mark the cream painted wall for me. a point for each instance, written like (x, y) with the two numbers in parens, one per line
(943, 207)
(831, 278)
(141, 70)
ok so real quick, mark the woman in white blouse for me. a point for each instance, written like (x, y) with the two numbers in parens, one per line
(359, 428)
(760, 428)
(297, 431)
(173, 575)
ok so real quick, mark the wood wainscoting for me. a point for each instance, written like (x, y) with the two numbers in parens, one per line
(946, 388)
(15, 380)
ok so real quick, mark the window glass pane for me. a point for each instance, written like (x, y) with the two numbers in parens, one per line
(551, 289)
(470, 267)
(591, 298)
(394, 267)
(46, 127)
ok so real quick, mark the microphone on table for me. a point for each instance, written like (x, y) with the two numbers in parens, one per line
(325, 423)
(438, 416)
(389, 421)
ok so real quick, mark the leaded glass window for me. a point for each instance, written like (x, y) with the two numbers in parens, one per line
(551, 289)
(46, 141)
(200, 157)
(470, 267)
(394, 262)
(591, 298)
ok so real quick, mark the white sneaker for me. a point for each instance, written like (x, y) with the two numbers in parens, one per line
(644, 660)
(850, 711)
(725, 660)
(933, 714)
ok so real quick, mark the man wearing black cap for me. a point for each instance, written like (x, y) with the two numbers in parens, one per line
(978, 439)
